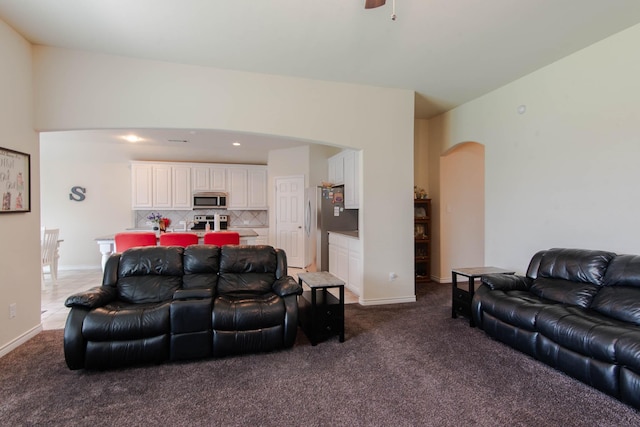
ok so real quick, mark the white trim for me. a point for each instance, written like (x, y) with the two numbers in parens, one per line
(17, 342)
(382, 301)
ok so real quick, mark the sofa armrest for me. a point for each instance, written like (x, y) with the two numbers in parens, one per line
(286, 286)
(184, 294)
(92, 298)
(506, 282)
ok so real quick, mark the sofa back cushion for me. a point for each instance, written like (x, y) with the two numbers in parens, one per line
(564, 291)
(150, 274)
(575, 265)
(624, 270)
(246, 269)
(201, 266)
(619, 302)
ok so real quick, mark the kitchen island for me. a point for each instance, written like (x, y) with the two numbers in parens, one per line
(107, 244)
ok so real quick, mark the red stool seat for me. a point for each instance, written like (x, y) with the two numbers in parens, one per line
(178, 239)
(128, 240)
(220, 238)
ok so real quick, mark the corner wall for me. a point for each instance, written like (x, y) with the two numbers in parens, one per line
(20, 249)
(564, 173)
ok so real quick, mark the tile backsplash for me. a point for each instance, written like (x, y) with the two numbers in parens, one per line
(236, 218)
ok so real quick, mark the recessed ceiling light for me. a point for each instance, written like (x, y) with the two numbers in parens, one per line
(236, 144)
(132, 138)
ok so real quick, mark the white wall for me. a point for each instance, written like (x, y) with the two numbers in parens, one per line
(103, 169)
(20, 249)
(565, 173)
(102, 91)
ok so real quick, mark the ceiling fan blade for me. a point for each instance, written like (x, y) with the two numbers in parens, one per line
(370, 4)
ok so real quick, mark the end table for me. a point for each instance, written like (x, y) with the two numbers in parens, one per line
(460, 298)
(321, 314)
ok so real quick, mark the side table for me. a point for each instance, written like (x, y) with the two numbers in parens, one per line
(321, 314)
(460, 298)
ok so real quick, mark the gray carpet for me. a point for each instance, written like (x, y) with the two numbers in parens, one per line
(401, 365)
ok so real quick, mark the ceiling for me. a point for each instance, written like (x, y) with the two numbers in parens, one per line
(447, 51)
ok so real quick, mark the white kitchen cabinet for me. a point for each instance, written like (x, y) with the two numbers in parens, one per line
(161, 187)
(247, 187)
(141, 186)
(263, 236)
(351, 163)
(257, 187)
(181, 187)
(344, 169)
(208, 178)
(336, 169)
(238, 198)
(345, 260)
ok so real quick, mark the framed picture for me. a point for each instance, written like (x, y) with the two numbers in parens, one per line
(15, 181)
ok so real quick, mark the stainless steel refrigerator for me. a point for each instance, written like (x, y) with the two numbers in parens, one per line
(323, 212)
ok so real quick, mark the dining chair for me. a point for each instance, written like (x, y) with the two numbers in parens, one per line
(221, 238)
(178, 239)
(126, 240)
(49, 252)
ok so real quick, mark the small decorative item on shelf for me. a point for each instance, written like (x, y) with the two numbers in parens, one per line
(419, 193)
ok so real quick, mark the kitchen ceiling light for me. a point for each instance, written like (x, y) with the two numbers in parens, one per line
(236, 144)
(132, 138)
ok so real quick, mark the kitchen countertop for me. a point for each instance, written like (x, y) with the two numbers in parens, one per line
(348, 233)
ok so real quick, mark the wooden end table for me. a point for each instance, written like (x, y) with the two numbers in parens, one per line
(321, 314)
(460, 298)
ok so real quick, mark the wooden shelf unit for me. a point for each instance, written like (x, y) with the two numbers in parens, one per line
(422, 239)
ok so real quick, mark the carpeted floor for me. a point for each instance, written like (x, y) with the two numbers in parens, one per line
(401, 365)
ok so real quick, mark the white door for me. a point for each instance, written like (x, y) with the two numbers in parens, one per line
(290, 218)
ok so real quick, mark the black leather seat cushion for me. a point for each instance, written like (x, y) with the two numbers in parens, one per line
(517, 308)
(123, 321)
(238, 312)
(628, 350)
(582, 330)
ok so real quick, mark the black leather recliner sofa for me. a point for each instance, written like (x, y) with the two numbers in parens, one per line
(575, 310)
(172, 303)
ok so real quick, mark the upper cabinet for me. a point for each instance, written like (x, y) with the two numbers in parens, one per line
(209, 178)
(165, 185)
(160, 186)
(247, 187)
(344, 168)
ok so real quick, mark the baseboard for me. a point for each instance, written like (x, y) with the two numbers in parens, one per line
(17, 342)
(79, 267)
(382, 301)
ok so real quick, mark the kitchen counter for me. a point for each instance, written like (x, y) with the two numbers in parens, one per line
(348, 233)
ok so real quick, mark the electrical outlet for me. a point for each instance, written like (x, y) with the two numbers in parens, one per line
(12, 310)
(392, 276)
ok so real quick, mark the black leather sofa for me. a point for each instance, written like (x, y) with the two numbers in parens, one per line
(575, 310)
(172, 303)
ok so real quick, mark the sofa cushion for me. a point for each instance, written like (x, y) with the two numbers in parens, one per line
(576, 265)
(624, 270)
(628, 350)
(619, 302)
(564, 291)
(246, 313)
(582, 331)
(201, 266)
(515, 307)
(247, 269)
(120, 321)
(150, 274)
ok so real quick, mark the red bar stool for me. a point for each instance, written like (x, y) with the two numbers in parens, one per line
(220, 238)
(128, 240)
(178, 239)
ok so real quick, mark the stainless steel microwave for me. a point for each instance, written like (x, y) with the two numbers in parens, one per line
(210, 200)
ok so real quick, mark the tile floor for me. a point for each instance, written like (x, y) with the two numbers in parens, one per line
(54, 313)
